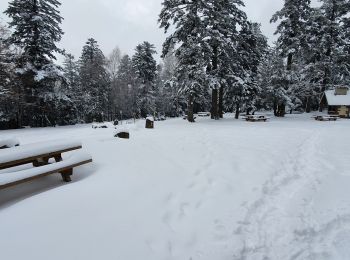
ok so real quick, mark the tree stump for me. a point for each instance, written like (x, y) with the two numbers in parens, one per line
(123, 135)
(149, 123)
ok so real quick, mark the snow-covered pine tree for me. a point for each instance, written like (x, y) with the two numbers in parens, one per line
(327, 42)
(94, 82)
(145, 67)
(126, 81)
(274, 81)
(36, 30)
(291, 29)
(292, 19)
(188, 38)
(244, 90)
(207, 33)
(71, 71)
(8, 85)
(115, 97)
(173, 104)
(72, 88)
(221, 19)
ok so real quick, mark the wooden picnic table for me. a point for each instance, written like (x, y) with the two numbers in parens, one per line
(256, 118)
(39, 156)
(326, 118)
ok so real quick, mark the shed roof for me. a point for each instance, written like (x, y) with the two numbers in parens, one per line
(337, 100)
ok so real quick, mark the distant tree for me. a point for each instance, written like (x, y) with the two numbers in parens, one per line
(112, 66)
(145, 68)
(94, 82)
(72, 88)
(170, 98)
(10, 99)
(127, 89)
(274, 82)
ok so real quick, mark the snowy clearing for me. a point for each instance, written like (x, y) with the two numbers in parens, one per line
(218, 190)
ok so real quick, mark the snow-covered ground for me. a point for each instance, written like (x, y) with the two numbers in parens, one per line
(214, 190)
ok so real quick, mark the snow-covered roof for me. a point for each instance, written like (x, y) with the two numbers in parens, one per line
(337, 100)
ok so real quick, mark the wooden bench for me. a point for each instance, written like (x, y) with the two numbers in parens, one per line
(8, 143)
(39, 155)
(256, 118)
(204, 114)
(326, 118)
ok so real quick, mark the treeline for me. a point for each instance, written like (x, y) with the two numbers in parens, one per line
(214, 60)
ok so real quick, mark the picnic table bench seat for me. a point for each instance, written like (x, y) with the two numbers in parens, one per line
(8, 143)
(65, 167)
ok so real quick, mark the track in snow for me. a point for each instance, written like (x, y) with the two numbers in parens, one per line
(268, 230)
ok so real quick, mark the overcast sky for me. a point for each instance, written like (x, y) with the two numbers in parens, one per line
(125, 23)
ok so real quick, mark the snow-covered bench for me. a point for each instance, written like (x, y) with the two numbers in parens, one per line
(326, 118)
(8, 143)
(256, 118)
(39, 155)
(204, 114)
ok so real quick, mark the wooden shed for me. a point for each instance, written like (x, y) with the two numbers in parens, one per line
(336, 101)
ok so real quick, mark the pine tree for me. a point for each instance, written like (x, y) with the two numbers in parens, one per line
(188, 37)
(72, 88)
(327, 41)
(145, 68)
(8, 86)
(94, 82)
(36, 30)
(243, 90)
(274, 81)
(221, 19)
(206, 33)
(126, 81)
(112, 66)
(293, 19)
(173, 103)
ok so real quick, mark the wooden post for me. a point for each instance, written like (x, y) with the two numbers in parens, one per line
(66, 175)
(149, 123)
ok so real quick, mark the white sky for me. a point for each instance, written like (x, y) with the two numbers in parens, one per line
(126, 23)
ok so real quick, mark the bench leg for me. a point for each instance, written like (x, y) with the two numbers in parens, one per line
(66, 175)
(41, 162)
(58, 158)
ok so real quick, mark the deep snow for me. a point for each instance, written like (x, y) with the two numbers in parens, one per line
(218, 190)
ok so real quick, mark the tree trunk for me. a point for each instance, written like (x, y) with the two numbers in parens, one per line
(281, 110)
(308, 105)
(190, 116)
(289, 61)
(214, 104)
(221, 102)
(237, 111)
(215, 93)
(275, 108)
